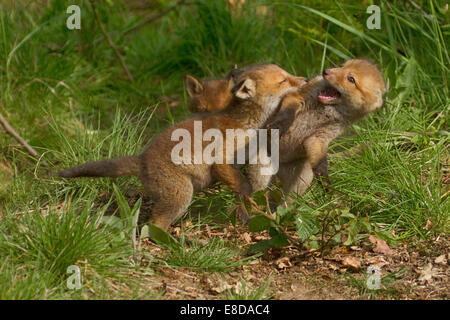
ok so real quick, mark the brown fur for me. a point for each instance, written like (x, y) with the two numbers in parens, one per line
(214, 95)
(210, 95)
(305, 139)
(256, 97)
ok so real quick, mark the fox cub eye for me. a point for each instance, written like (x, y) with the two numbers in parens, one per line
(351, 79)
(283, 81)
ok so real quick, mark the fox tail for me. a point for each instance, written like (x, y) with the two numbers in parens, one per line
(117, 167)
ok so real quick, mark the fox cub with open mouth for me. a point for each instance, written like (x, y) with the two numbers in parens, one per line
(308, 120)
(311, 117)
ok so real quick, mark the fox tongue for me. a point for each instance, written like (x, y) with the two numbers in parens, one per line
(328, 94)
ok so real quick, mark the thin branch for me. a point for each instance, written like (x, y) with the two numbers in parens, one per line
(154, 17)
(149, 19)
(258, 210)
(21, 140)
(110, 42)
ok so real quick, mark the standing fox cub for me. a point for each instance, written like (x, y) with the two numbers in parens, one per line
(255, 97)
(317, 113)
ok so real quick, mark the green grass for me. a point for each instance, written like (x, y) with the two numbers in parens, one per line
(216, 255)
(65, 92)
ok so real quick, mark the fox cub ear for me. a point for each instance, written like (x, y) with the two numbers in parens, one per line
(245, 89)
(193, 86)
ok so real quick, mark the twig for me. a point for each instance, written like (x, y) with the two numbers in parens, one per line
(154, 17)
(21, 140)
(110, 42)
(150, 19)
(258, 210)
(266, 196)
(278, 227)
(325, 223)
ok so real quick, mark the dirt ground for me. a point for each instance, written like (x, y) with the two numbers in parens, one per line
(408, 271)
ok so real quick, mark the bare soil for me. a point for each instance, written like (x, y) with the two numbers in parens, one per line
(416, 270)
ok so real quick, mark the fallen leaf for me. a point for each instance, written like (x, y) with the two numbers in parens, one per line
(427, 273)
(208, 231)
(428, 225)
(333, 267)
(380, 246)
(353, 263)
(238, 288)
(247, 238)
(254, 262)
(441, 260)
(378, 261)
(220, 287)
(283, 263)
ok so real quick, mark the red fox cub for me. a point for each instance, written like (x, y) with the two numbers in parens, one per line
(317, 113)
(255, 97)
(210, 95)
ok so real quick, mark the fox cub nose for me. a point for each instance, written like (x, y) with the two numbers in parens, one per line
(325, 72)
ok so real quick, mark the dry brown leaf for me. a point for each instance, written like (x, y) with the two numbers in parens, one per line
(428, 225)
(247, 238)
(351, 262)
(177, 231)
(427, 273)
(220, 287)
(208, 231)
(441, 260)
(333, 267)
(380, 246)
(238, 287)
(378, 261)
(283, 263)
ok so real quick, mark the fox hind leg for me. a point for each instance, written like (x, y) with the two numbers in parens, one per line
(295, 177)
(169, 206)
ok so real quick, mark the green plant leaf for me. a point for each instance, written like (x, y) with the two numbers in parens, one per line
(161, 237)
(259, 197)
(145, 233)
(314, 244)
(112, 221)
(124, 208)
(277, 241)
(259, 223)
(305, 222)
(345, 213)
(276, 195)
